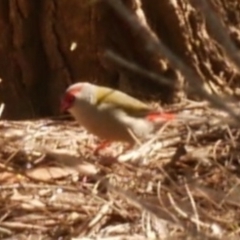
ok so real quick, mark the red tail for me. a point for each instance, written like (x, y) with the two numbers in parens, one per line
(160, 116)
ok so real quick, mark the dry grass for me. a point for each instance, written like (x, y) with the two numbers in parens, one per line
(181, 184)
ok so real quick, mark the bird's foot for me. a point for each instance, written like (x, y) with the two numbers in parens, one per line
(104, 144)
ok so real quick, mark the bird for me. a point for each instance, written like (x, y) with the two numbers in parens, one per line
(110, 114)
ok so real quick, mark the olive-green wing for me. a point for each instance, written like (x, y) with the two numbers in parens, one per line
(121, 100)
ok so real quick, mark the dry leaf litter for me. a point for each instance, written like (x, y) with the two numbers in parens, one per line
(182, 183)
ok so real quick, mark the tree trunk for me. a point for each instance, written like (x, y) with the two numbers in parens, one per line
(47, 45)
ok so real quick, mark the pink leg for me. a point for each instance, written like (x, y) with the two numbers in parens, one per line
(101, 146)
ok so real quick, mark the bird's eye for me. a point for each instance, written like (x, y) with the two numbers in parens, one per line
(67, 101)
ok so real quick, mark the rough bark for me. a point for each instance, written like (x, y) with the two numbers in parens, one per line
(22, 66)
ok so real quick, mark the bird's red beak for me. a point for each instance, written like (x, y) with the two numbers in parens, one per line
(67, 102)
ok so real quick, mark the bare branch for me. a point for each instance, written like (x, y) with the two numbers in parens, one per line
(117, 59)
